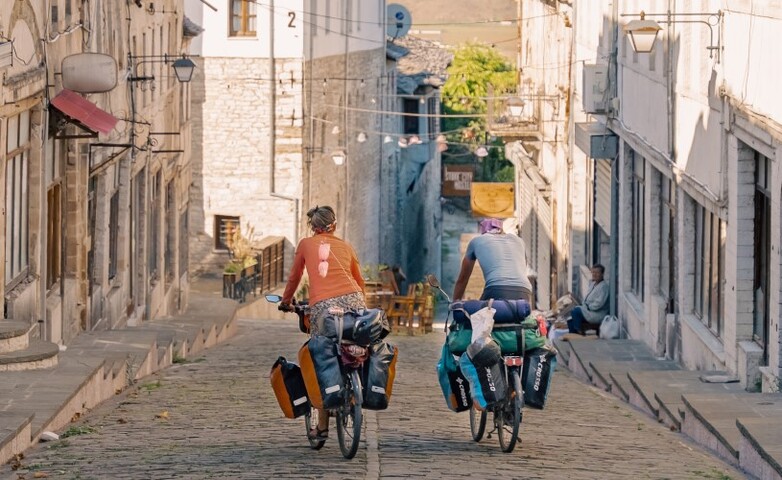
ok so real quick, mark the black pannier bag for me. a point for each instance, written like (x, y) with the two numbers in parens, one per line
(288, 385)
(487, 384)
(539, 365)
(319, 360)
(362, 328)
(453, 383)
(379, 373)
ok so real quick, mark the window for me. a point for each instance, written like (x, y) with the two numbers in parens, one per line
(638, 166)
(184, 252)
(666, 252)
(16, 201)
(410, 105)
(154, 224)
(170, 232)
(114, 223)
(225, 227)
(432, 120)
(761, 287)
(113, 234)
(709, 254)
(54, 213)
(243, 18)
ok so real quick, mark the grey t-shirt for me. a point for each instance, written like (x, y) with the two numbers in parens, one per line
(503, 259)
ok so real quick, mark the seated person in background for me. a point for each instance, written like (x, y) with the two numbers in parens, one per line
(596, 304)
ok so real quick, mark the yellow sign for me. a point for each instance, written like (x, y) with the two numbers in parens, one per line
(492, 200)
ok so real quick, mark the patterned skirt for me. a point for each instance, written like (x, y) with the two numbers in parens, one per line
(319, 311)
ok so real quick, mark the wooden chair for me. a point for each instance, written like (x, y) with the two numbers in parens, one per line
(401, 310)
(388, 281)
(423, 312)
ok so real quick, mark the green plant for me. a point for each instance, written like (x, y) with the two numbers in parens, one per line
(371, 271)
(242, 249)
(232, 267)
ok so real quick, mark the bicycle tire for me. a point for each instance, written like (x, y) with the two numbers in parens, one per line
(350, 417)
(477, 423)
(310, 421)
(508, 418)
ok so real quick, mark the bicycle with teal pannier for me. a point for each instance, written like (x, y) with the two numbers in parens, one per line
(514, 338)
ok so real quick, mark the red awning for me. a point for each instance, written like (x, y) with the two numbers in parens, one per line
(78, 108)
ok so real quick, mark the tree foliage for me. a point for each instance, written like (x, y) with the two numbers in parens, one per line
(476, 72)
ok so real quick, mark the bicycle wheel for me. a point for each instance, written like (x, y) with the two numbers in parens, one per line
(477, 423)
(310, 421)
(508, 418)
(350, 417)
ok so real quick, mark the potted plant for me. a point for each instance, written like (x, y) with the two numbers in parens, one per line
(243, 261)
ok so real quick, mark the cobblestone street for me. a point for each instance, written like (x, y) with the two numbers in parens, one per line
(216, 417)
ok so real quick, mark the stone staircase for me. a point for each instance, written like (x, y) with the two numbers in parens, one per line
(18, 351)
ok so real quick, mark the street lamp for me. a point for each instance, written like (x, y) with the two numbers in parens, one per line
(643, 33)
(515, 106)
(183, 67)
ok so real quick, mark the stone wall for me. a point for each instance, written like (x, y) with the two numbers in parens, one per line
(234, 136)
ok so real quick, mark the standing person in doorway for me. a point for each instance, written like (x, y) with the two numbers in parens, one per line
(503, 259)
(335, 280)
(595, 306)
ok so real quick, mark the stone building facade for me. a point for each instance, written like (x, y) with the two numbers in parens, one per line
(672, 175)
(278, 101)
(94, 204)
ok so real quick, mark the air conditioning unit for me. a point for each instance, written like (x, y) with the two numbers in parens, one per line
(595, 89)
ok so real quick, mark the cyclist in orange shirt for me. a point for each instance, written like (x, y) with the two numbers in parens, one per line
(335, 279)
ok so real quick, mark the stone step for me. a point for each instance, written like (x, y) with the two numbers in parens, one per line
(39, 354)
(14, 336)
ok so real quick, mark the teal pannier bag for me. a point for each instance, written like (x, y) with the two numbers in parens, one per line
(459, 338)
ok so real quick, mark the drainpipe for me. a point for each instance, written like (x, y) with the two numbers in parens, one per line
(272, 101)
(615, 173)
(42, 239)
(346, 165)
(273, 127)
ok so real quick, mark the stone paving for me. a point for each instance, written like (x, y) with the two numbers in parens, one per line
(216, 417)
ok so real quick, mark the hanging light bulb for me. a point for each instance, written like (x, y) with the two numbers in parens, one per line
(361, 85)
(414, 140)
(362, 137)
(422, 100)
(388, 139)
(482, 152)
(339, 157)
(335, 130)
(402, 142)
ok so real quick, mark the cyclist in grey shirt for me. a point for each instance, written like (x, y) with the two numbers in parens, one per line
(503, 259)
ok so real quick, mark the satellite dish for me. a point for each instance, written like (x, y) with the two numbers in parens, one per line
(398, 20)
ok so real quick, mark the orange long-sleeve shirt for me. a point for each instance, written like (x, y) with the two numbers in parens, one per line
(343, 276)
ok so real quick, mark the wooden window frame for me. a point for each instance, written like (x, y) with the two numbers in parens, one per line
(17, 194)
(246, 15)
(709, 275)
(220, 239)
(638, 219)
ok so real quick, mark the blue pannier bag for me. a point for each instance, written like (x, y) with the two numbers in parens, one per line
(487, 384)
(507, 311)
(455, 386)
(539, 365)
